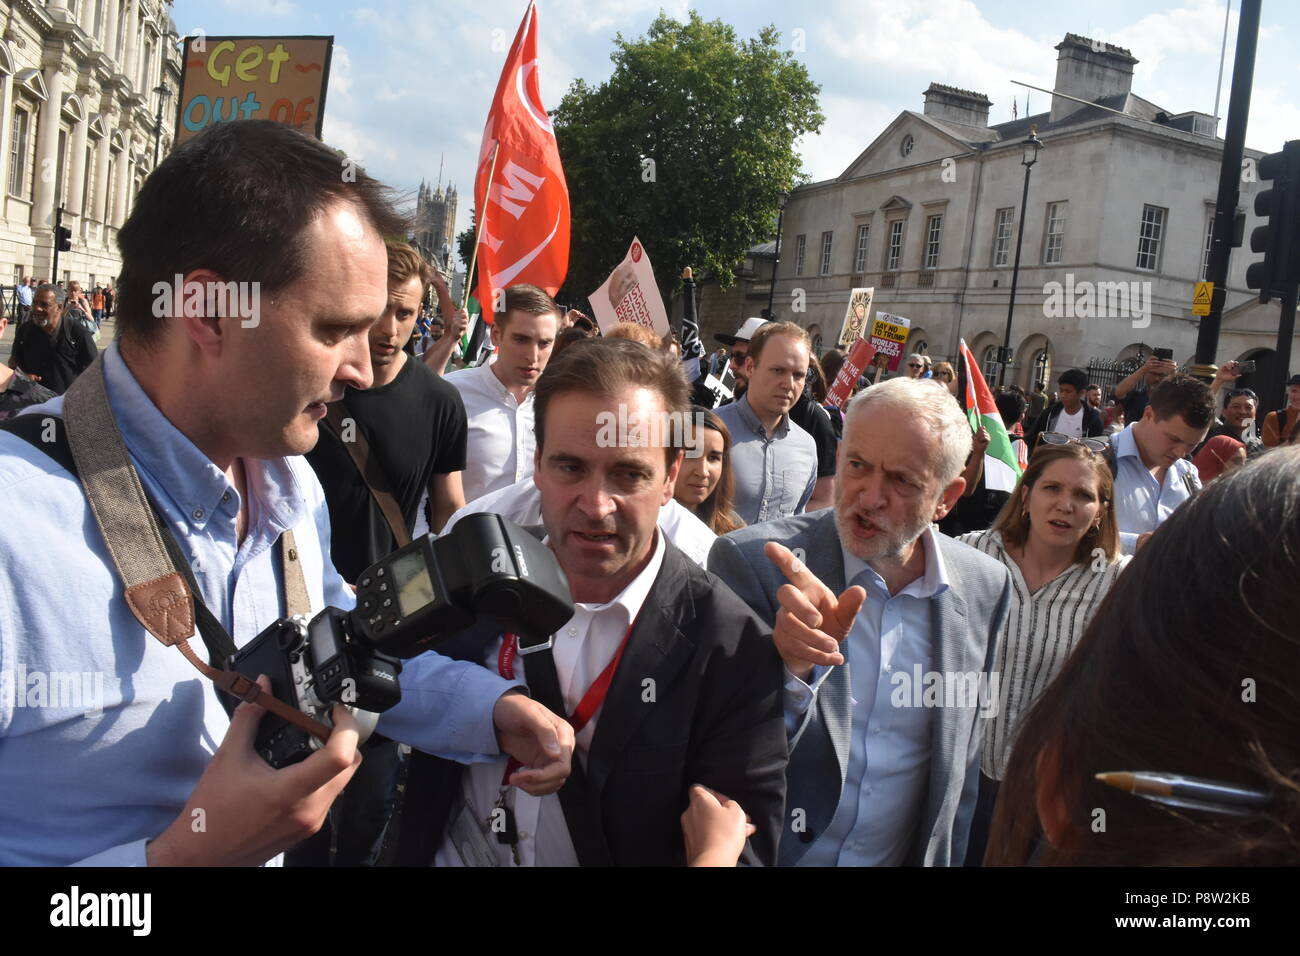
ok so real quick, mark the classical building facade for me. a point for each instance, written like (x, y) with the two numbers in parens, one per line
(1115, 236)
(79, 123)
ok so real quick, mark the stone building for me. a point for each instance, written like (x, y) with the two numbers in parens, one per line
(79, 119)
(435, 224)
(1120, 203)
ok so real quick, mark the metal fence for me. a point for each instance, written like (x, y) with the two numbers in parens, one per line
(1108, 373)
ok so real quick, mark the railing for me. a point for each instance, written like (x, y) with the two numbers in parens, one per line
(1108, 373)
(925, 280)
(888, 279)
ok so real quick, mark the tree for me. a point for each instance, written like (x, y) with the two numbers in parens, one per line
(685, 146)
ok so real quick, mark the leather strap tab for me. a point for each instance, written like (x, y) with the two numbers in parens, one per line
(164, 606)
(380, 490)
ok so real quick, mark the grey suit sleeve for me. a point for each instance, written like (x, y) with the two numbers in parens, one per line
(971, 784)
(728, 562)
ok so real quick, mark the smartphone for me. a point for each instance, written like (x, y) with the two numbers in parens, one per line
(1166, 354)
(1246, 368)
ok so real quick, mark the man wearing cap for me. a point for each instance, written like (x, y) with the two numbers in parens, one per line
(739, 344)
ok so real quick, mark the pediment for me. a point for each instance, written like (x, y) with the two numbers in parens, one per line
(910, 140)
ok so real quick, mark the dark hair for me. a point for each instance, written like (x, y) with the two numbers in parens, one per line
(717, 510)
(1076, 378)
(529, 299)
(1013, 523)
(1187, 667)
(1186, 397)
(606, 367)
(567, 338)
(1011, 406)
(831, 364)
(236, 199)
(817, 383)
(764, 335)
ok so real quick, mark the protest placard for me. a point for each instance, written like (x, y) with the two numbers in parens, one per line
(631, 295)
(237, 78)
(889, 335)
(855, 317)
(858, 359)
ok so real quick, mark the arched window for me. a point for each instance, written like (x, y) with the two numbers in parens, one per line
(989, 364)
(1042, 369)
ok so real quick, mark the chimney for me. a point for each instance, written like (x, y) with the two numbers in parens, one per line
(1090, 70)
(951, 105)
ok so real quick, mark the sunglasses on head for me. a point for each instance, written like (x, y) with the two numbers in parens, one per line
(1095, 445)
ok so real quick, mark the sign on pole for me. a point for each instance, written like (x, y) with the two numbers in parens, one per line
(631, 295)
(858, 359)
(855, 317)
(237, 78)
(889, 335)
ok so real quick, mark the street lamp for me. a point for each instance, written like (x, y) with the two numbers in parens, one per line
(781, 198)
(1030, 149)
(164, 93)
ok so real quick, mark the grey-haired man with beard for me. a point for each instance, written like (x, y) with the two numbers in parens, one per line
(55, 347)
(881, 772)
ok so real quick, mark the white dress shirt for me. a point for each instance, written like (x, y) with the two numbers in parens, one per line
(500, 442)
(522, 504)
(584, 647)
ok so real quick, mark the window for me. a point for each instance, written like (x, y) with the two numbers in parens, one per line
(146, 64)
(119, 48)
(61, 161)
(1002, 237)
(989, 365)
(18, 153)
(1054, 245)
(800, 247)
(933, 233)
(860, 251)
(825, 268)
(895, 245)
(99, 20)
(1209, 243)
(85, 181)
(1153, 228)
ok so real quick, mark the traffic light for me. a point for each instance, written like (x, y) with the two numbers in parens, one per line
(1279, 235)
(63, 238)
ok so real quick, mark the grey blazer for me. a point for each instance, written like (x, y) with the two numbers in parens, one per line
(967, 620)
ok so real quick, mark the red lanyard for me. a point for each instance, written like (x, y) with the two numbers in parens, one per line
(591, 700)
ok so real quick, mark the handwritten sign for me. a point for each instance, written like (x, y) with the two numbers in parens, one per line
(855, 317)
(858, 359)
(631, 295)
(888, 335)
(239, 78)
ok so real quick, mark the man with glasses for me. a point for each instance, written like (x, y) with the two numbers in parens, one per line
(1152, 475)
(915, 366)
(739, 344)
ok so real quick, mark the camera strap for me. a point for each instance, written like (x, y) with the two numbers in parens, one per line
(371, 473)
(143, 550)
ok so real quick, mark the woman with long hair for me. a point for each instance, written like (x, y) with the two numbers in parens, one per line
(705, 485)
(1058, 537)
(1187, 669)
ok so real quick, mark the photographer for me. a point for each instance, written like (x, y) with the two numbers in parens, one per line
(214, 410)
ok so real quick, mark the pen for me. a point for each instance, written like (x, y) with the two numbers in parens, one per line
(1181, 791)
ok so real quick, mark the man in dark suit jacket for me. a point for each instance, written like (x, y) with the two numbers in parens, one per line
(879, 772)
(695, 695)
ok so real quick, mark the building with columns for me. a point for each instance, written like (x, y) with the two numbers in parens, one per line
(79, 120)
(1122, 193)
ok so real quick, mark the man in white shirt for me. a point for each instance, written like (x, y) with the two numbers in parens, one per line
(1070, 416)
(667, 678)
(498, 396)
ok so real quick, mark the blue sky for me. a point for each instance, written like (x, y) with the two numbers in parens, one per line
(412, 81)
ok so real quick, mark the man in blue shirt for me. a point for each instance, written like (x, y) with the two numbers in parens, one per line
(1152, 476)
(114, 750)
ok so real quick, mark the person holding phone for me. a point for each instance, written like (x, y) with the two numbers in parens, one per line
(1135, 390)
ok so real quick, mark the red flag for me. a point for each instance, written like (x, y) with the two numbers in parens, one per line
(525, 210)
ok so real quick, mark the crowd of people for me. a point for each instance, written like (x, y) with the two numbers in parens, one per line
(801, 635)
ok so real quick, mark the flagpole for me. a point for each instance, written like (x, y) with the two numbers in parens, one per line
(478, 233)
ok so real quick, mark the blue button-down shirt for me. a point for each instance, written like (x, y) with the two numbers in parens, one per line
(1141, 502)
(104, 731)
(25, 294)
(889, 650)
(775, 474)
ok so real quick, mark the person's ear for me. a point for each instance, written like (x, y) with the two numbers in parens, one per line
(1053, 814)
(670, 482)
(187, 305)
(950, 496)
(749, 365)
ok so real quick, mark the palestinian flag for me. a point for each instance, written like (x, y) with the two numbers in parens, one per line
(1001, 464)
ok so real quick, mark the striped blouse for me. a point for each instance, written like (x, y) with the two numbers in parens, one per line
(1041, 630)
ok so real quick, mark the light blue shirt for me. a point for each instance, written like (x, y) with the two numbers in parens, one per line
(888, 650)
(104, 731)
(774, 474)
(25, 294)
(1141, 502)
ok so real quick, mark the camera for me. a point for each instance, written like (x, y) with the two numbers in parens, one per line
(1166, 354)
(431, 589)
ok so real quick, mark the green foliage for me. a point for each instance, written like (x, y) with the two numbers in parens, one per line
(713, 119)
